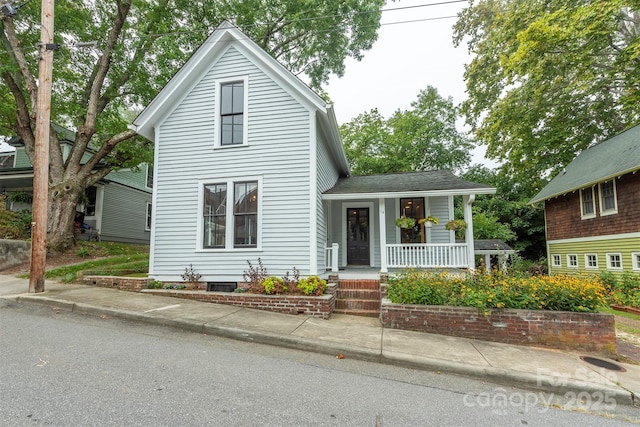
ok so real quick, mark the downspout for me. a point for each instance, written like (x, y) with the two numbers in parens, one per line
(468, 237)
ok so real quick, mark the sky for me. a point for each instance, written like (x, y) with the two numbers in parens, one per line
(414, 50)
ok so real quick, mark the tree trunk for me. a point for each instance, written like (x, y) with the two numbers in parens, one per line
(63, 199)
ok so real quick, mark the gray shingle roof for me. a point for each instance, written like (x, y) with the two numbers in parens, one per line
(435, 180)
(611, 158)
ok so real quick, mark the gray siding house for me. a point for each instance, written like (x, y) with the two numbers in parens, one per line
(117, 208)
(249, 164)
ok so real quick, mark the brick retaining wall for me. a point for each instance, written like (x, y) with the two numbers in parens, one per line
(558, 329)
(321, 306)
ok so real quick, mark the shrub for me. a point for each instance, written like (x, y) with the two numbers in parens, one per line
(312, 285)
(190, 275)
(273, 285)
(255, 275)
(623, 289)
(154, 284)
(486, 292)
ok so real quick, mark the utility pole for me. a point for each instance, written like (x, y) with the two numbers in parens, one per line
(41, 162)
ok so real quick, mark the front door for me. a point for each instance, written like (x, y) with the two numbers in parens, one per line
(358, 236)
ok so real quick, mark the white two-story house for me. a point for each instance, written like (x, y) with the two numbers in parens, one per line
(249, 164)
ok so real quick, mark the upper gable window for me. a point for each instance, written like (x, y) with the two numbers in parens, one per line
(587, 203)
(608, 203)
(231, 126)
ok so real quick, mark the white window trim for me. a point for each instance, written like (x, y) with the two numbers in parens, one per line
(147, 227)
(593, 198)
(635, 261)
(609, 266)
(615, 199)
(555, 257)
(228, 238)
(569, 263)
(245, 111)
(586, 261)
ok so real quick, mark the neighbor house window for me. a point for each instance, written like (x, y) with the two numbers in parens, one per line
(149, 182)
(412, 208)
(591, 260)
(572, 261)
(215, 215)
(587, 203)
(90, 197)
(608, 203)
(232, 113)
(614, 261)
(556, 260)
(245, 213)
(147, 225)
(635, 261)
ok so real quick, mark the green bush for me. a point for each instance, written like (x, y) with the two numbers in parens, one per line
(154, 284)
(486, 292)
(623, 289)
(273, 285)
(312, 285)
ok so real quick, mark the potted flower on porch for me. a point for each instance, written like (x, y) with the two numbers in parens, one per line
(428, 221)
(456, 225)
(405, 222)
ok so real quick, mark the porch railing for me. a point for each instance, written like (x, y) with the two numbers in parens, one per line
(427, 255)
(331, 257)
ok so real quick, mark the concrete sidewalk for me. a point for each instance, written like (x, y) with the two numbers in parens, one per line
(355, 337)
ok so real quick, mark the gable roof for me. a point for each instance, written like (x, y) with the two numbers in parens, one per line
(433, 182)
(609, 159)
(225, 35)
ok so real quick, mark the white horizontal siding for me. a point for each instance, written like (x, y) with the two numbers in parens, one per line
(277, 152)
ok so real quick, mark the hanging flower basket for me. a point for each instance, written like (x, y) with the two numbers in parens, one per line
(456, 224)
(404, 222)
(428, 221)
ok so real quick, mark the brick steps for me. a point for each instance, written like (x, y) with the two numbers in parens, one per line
(358, 298)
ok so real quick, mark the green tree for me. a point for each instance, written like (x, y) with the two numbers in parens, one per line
(549, 78)
(141, 44)
(507, 214)
(421, 138)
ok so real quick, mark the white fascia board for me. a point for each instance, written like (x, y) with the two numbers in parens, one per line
(353, 196)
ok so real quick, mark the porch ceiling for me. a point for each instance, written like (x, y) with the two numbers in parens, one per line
(435, 183)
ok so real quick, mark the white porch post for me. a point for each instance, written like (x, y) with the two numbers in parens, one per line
(468, 237)
(383, 236)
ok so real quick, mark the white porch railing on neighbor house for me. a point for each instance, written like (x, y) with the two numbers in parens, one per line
(331, 257)
(428, 255)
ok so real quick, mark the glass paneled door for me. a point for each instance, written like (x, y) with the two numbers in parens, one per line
(358, 236)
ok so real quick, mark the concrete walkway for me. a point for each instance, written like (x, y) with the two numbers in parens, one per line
(547, 370)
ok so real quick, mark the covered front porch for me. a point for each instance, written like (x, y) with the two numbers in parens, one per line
(361, 214)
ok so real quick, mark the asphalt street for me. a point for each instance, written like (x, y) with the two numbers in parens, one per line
(61, 368)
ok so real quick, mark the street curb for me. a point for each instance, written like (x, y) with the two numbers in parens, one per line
(540, 382)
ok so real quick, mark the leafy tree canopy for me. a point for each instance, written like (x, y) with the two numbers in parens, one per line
(507, 214)
(141, 44)
(549, 78)
(421, 138)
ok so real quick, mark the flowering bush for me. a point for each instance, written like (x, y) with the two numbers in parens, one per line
(485, 292)
(312, 285)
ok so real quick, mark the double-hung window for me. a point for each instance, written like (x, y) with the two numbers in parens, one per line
(245, 214)
(572, 260)
(635, 261)
(232, 105)
(230, 215)
(608, 203)
(591, 261)
(587, 203)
